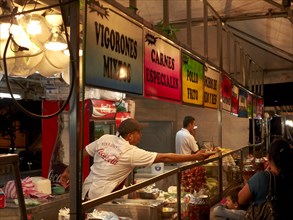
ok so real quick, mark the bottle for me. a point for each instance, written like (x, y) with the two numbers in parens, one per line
(236, 174)
(60, 155)
(259, 164)
(199, 208)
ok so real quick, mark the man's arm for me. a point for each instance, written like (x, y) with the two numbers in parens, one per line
(171, 157)
(64, 179)
(85, 153)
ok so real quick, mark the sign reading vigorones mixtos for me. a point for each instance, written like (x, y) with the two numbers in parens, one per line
(113, 49)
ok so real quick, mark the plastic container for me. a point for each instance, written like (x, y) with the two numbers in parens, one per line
(2, 199)
(199, 209)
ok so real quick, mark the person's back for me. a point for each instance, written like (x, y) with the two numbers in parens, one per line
(285, 184)
(280, 162)
(185, 142)
(284, 199)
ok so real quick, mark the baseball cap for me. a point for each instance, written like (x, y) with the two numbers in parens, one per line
(129, 125)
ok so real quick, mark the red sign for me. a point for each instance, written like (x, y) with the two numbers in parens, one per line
(121, 116)
(235, 100)
(226, 93)
(162, 69)
(259, 109)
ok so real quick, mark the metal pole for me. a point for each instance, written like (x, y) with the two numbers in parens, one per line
(235, 57)
(219, 43)
(74, 134)
(189, 23)
(166, 13)
(228, 51)
(205, 33)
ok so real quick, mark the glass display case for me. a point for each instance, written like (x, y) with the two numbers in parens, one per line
(163, 191)
(179, 192)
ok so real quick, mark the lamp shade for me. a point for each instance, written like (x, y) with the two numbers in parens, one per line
(56, 42)
(53, 62)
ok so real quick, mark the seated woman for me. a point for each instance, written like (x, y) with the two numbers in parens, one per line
(230, 208)
(280, 162)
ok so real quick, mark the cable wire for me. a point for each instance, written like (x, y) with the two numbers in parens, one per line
(72, 79)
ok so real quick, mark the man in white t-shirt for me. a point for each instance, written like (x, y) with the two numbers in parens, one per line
(115, 156)
(185, 142)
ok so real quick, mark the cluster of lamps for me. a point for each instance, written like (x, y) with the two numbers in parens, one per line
(37, 44)
(32, 26)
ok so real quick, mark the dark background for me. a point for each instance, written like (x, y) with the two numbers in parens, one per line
(278, 94)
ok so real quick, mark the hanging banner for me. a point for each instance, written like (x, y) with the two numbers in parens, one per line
(192, 80)
(211, 88)
(55, 139)
(113, 56)
(226, 93)
(254, 106)
(249, 105)
(162, 70)
(259, 109)
(235, 99)
(242, 110)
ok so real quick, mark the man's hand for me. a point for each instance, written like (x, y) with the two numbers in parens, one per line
(64, 179)
(203, 154)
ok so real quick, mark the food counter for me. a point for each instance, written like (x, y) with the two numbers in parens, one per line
(172, 196)
(44, 209)
(220, 173)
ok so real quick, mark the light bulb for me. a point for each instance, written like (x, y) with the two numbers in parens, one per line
(56, 43)
(6, 28)
(66, 52)
(34, 27)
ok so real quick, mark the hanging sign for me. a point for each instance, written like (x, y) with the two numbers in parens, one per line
(162, 70)
(211, 88)
(113, 49)
(254, 106)
(192, 80)
(259, 108)
(235, 99)
(226, 93)
(249, 105)
(242, 111)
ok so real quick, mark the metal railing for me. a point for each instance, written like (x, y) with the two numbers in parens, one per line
(88, 205)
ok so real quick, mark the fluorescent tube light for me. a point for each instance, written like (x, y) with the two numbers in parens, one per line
(7, 95)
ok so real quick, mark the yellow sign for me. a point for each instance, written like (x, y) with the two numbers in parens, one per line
(192, 80)
(211, 88)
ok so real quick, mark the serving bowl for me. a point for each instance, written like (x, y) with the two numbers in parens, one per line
(168, 212)
(148, 195)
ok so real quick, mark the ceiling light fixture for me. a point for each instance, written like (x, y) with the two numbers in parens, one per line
(8, 95)
(7, 28)
(56, 41)
(66, 52)
(34, 27)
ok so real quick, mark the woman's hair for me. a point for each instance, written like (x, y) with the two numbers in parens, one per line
(281, 153)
